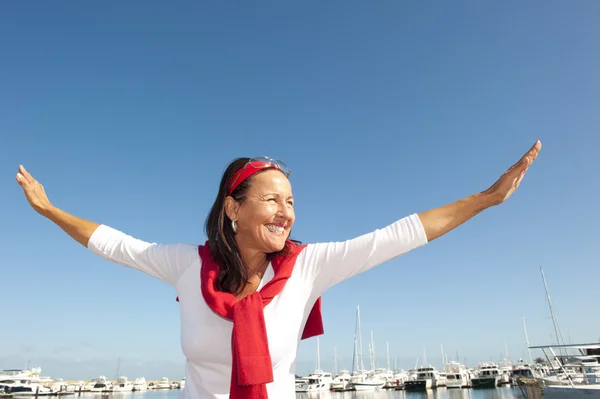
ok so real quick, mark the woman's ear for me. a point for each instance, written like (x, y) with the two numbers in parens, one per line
(231, 208)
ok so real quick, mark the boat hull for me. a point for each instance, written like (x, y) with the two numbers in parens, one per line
(417, 385)
(362, 386)
(484, 382)
(567, 392)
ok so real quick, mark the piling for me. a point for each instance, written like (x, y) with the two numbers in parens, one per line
(530, 388)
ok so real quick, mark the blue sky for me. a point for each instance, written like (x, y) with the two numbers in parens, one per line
(128, 112)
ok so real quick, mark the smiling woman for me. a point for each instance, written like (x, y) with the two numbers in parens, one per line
(249, 294)
(252, 216)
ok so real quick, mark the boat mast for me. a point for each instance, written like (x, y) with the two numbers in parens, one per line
(557, 331)
(443, 358)
(388, 355)
(334, 360)
(318, 356)
(360, 351)
(373, 364)
(527, 341)
(355, 365)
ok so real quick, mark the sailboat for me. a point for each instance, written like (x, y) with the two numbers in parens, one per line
(574, 375)
(372, 381)
(318, 380)
(341, 382)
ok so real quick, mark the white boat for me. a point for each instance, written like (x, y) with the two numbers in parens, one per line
(20, 373)
(318, 380)
(101, 385)
(397, 380)
(23, 386)
(122, 385)
(521, 370)
(163, 384)
(572, 392)
(441, 382)
(86, 386)
(140, 384)
(573, 375)
(371, 383)
(457, 375)
(341, 382)
(427, 378)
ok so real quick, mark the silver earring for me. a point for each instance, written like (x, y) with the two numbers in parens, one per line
(234, 226)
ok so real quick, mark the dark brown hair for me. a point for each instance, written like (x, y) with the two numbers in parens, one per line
(233, 275)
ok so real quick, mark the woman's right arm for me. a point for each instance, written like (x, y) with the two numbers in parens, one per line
(163, 261)
(79, 229)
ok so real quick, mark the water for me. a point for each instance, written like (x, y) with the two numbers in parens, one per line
(505, 392)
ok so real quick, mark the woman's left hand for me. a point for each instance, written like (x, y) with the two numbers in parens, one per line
(510, 180)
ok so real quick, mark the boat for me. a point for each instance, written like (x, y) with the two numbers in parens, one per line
(369, 382)
(318, 380)
(488, 376)
(139, 384)
(341, 382)
(101, 385)
(23, 386)
(427, 378)
(457, 375)
(122, 385)
(575, 368)
(571, 392)
(163, 384)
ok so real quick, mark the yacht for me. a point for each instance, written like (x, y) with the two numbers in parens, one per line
(23, 386)
(427, 378)
(457, 376)
(521, 370)
(369, 382)
(399, 377)
(139, 385)
(342, 381)
(163, 384)
(122, 385)
(101, 385)
(317, 381)
(488, 376)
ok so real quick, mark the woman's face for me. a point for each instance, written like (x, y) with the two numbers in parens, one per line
(265, 218)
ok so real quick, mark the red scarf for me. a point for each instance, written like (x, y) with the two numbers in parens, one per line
(251, 360)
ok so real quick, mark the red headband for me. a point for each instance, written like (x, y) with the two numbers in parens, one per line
(246, 171)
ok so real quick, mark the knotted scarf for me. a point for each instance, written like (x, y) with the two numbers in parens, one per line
(251, 361)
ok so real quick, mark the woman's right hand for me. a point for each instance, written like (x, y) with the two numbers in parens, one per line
(34, 191)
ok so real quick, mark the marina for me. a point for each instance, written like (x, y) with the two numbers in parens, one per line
(501, 393)
(567, 371)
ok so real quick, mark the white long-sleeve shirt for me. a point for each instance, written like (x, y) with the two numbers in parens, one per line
(206, 337)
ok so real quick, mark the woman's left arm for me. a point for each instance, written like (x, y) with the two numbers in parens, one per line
(440, 221)
(327, 264)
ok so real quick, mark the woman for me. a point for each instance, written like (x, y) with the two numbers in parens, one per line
(250, 294)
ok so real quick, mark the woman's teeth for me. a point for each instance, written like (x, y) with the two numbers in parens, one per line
(275, 229)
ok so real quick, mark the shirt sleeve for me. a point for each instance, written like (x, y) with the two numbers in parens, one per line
(327, 264)
(164, 261)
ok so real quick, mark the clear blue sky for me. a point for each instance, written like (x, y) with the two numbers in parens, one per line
(128, 112)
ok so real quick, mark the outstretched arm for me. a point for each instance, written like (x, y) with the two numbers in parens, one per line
(440, 221)
(79, 229)
(327, 264)
(164, 261)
